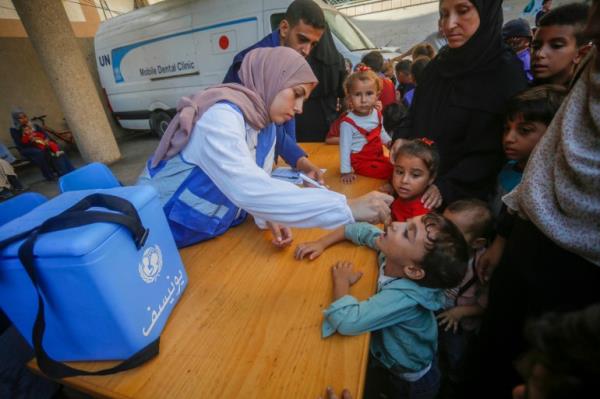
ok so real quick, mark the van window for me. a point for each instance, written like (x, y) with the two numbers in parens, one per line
(276, 19)
(349, 34)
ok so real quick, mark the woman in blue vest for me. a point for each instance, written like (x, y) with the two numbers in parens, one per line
(214, 162)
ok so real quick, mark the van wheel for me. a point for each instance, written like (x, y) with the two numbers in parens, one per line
(159, 121)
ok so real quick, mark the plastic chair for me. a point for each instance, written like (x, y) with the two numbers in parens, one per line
(90, 176)
(19, 205)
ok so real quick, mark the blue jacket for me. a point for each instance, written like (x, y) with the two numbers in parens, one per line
(286, 133)
(400, 315)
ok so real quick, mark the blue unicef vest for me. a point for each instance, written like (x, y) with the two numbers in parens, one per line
(195, 208)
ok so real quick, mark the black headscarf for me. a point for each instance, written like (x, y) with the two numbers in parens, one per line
(471, 76)
(328, 64)
(482, 50)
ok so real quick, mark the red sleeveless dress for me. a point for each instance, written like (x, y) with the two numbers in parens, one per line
(370, 161)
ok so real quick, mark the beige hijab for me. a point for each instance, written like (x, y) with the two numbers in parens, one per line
(560, 189)
(264, 73)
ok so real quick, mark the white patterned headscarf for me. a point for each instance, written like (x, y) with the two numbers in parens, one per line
(560, 189)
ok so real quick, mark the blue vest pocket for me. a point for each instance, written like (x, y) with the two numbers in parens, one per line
(189, 225)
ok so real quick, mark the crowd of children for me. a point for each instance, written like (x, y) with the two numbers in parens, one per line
(435, 264)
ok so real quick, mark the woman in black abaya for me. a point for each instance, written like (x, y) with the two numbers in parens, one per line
(459, 102)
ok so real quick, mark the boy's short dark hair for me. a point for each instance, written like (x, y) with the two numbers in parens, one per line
(574, 14)
(393, 116)
(538, 104)
(483, 220)
(373, 60)
(423, 149)
(307, 11)
(422, 50)
(417, 68)
(566, 346)
(403, 66)
(516, 28)
(445, 262)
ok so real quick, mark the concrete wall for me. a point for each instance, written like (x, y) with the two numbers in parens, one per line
(24, 83)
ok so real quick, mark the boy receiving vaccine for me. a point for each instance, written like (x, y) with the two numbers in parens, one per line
(417, 260)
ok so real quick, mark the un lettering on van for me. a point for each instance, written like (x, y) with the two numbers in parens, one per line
(104, 60)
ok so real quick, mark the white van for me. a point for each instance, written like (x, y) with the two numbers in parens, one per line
(149, 58)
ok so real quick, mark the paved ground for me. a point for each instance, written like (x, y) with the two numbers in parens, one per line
(135, 149)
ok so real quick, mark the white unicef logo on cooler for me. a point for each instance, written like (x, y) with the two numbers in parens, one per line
(151, 264)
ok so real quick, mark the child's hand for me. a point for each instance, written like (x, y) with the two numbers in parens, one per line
(282, 235)
(432, 198)
(331, 394)
(312, 250)
(450, 318)
(378, 105)
(343, 274)
(386, 188)
(348, 178)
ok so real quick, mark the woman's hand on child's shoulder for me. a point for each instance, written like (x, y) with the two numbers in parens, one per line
(311, 250)
(386, 188)
(343, 273)
(432, 197)
(348, 178)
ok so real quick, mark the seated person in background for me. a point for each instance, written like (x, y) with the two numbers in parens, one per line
(8, 180)
(416, 72)
(527, 118)
(361, 132)
(405, 82)
(559, 44)
(517, 34)
(417, 260)
(387, 94)
(40, 141)
(460, 320)
(6, 154)
(415, 169)
(56, 161)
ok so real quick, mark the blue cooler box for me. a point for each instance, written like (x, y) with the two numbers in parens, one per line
(104, 298)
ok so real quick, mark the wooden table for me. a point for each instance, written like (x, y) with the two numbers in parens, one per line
(249, 323)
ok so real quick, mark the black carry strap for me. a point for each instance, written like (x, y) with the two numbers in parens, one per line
(469, 283)
(76, 216)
